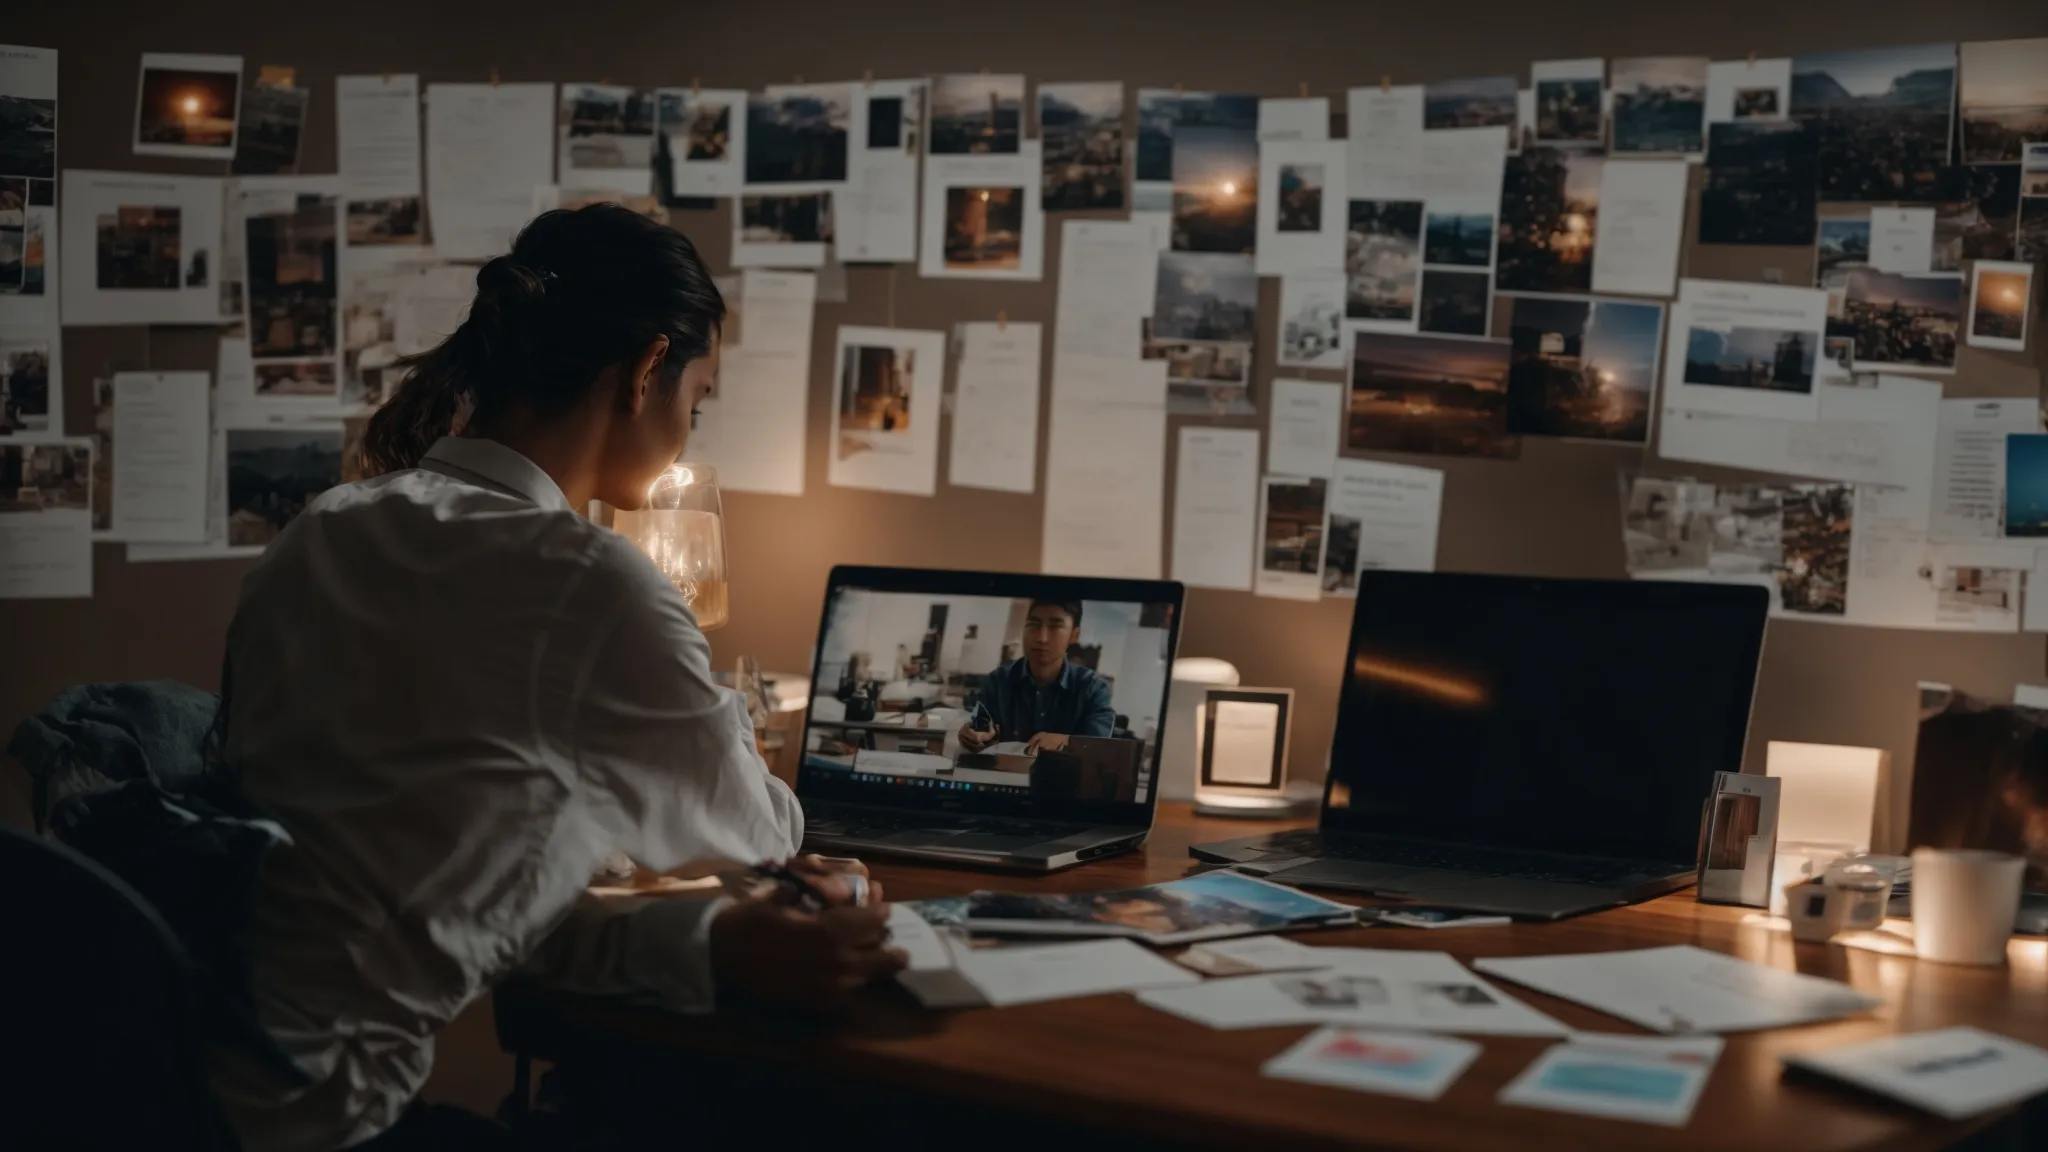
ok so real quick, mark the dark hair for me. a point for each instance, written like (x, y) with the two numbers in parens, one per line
(1070, 607)
(580, 292)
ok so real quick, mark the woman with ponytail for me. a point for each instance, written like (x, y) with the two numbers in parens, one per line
(458, 695)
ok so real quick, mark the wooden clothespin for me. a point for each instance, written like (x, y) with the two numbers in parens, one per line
(604, 80)
(1178, 90)
(387, 77)
(867, 78)
(1386, 82)
(494, 77)
(1304, 89)
(1002, 321)
(1752, 58)
(696, 86)
(799, 77)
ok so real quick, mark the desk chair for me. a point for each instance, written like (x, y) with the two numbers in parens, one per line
(103, 1012)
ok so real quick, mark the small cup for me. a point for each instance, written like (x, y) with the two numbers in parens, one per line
(1964, 902)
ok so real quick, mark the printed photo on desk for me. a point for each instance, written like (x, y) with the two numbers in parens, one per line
(1204, 907)
(986, 693)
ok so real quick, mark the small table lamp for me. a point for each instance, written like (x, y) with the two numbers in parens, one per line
(682, 529)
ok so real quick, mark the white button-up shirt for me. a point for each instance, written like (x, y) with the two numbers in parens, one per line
(459, 696)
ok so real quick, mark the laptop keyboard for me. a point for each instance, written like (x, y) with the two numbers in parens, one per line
(1457, 858)
(875, 825)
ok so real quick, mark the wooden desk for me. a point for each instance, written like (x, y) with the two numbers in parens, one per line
(1108, 1061)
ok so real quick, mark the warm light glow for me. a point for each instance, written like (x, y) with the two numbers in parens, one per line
(1229, 188)
(984, 194)
(191, 105)
(1574, 222)
(2011, 296)
(1450, 689)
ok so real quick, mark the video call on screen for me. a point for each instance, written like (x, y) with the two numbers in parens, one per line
(994, 694)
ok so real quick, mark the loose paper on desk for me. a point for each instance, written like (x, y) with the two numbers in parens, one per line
(884, 434)
(1901, 239)
(1362, 987)
(1682, 988)
(1749, 90)
(170, 280)
(160, 457)
(874, 218)
(1646, 1078)
(377, 130)
(1385, 142)
(1951, 1072)
(46, 525)
(995, 410)
(1307, 420)
(1216, 507)
(1391, 511)
(1969, 473)
(1105, 468)
(753, 430)
(1640, 226)
(1108, 275)
(1301, 221)
(1396, 1063)
(1249, 954)
(488, 146)
(1003, 977)
(1743, 349)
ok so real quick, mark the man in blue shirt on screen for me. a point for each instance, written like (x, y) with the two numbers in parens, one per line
(1042, 698)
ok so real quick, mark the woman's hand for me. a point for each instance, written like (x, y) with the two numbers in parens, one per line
(832, 877)
(776, 952)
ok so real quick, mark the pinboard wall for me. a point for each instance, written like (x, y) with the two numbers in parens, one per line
(1554, 512)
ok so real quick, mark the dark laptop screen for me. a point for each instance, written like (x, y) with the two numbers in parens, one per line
(1033, 694)
(1556, 715)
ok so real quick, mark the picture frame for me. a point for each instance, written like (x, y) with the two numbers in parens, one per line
(1249, 757)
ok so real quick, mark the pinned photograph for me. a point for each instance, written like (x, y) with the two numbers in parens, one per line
(1215, 188)
(1667, 525)
(1568, 95)
(24, 387)
(2033, 241)
(703, 130)
(1814, 578)
(1441, 395)
(1760, 359)
(1462, 239)
(1979, 216)
(1757, 104)
(28, 120)
(977, 113)
(1660, 104)
(1383, 260)
(1455, 303)
(895, 117)
(1311, 319)
(875, 399)
(142, 246)
(1844, 243)
(1474, 102)
(1301, 198)
(45, 478)
(2004, 98)
(1550, 208)
(383, 223)
(803, 218)
(797, 135)
(1880, 117)
(273, 119)
(1203, 377)
(1585, 369)
(1158, 111)
(292, 290)
(2001, 299)
(139, 248)
(700, 142)
(1759, 184)
(606, 127)
(2026, 485)
(984, 229)
(1901, 321)
(1749, 531)
(188, 105)
(1291, 537)
(1081, 127)
(1205, 296)
(273, 473)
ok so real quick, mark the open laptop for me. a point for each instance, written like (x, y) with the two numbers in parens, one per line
(1005, 721)
(1528, 747)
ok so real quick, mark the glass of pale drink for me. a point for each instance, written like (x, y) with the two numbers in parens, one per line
(682, 530)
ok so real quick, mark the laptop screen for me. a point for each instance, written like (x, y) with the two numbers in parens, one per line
(990, 693)
(1554, 715)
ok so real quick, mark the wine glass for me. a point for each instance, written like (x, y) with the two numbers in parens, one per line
(682, 529)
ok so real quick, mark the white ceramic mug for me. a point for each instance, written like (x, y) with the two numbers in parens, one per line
(1964, 901)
